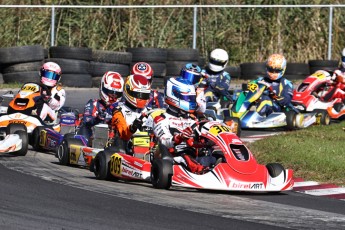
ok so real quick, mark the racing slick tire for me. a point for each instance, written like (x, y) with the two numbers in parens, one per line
(21, 130)
(35, 138)
(325, 119)
(274, 169)
(63, 150)
(161, 173)
(291, 117)
(11, 128)
(101, 167)
(24, 137)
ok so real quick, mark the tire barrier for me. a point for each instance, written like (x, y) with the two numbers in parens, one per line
(21, 64)
(296, 71)
(178, 58)
(329, 65)
(250, 71)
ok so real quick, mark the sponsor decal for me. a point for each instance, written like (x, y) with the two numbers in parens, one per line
(17, 122)
(239, 185)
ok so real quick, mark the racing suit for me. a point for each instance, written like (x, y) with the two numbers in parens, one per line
(95, 112)
(217, 85)
(276, 97)
(54, 99)
(156, 100)
(169, 127)
(123, 118)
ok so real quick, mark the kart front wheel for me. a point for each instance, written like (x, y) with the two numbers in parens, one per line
(101, 167)
(23, 135)
(161, 173)
(274, 169)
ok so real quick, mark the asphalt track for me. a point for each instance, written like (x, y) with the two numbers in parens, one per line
(38, 193)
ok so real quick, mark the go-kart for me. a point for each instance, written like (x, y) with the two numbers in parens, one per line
(13, 137)
(78, 151)
(318, 92)
(21, 115)
(291, 118)
(235, 168)
(128, 161)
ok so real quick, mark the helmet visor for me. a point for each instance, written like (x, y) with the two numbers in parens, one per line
(111, 93)
(191, 77)
(50, 75)
(343, 58)
(274, 70)
(217, 62)
(139, 95)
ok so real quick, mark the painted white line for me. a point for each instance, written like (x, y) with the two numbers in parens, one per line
(323, 192)
(305, 183)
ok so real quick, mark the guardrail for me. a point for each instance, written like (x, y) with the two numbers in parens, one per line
(195, 7)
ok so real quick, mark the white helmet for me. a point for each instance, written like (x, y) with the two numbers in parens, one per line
(218, 60)
(50, 74)
(111, 87)
(343, 58)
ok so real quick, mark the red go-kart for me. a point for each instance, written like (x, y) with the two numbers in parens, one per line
(235, 168)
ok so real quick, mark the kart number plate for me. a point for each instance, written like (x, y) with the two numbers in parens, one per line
(29, 88)
(252, 87)
(217, 129)
(115, 164)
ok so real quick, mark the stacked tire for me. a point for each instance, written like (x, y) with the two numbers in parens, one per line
(74, 63)
(252, 70)
(234, 71)
(21, 64)
(329, 65)
(157, 58)
(103, 61)
(296, 71)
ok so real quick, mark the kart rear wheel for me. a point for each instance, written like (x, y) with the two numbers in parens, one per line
(161, 173)
(63, 150)
(101, 167)
(23, 135)
(36, 134)
(325, 119)
(291, 123)
(275, 169)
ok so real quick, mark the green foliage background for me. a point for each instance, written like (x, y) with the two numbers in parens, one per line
(248, 34)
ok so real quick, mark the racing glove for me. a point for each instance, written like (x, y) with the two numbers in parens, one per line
(184, 135)
(137, 124)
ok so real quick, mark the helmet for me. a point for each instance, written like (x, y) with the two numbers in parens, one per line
(50, 74)
(343, 58)
(111, 87)
(143, 69)
(180, 93)
(137, 90)
(218, 60)
(192, 73)
(275, 66)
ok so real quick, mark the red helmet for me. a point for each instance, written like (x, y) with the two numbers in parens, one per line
(137, 90)
(111, 87)
(143, 69)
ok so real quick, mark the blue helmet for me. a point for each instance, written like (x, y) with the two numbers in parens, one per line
(180, 93)
(192, 73)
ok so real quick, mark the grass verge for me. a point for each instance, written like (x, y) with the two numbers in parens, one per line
(316, 153)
